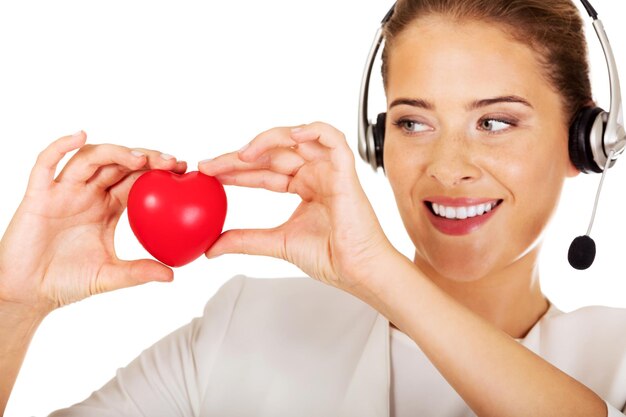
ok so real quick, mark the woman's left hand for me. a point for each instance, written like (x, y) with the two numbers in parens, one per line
(333, 235)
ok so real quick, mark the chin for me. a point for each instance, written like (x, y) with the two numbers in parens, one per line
(466, 268)
(467, 272)
(473, 264)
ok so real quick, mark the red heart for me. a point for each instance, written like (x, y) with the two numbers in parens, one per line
(176, 217)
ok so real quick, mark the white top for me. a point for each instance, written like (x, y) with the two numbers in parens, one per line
(286, 347)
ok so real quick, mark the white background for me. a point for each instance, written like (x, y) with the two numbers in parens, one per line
(197, 79)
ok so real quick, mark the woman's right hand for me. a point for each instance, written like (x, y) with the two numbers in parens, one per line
(58, 247)
(333, 235)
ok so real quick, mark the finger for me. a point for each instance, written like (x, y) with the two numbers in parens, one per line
(158, 160)
(264, 242)
(278, 137)
(42, 174)
(109, 175)
(121, 189)
(123, 274)
(326, 134)
(90, 158)
(282, 161)
(341, 156)
(224, 163)
(313, 151)
(265, 179)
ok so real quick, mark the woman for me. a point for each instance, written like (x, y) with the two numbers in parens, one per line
(488, 150)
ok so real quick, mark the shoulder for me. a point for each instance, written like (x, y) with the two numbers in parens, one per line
(592, 329)
(598, 320)
(243, 291)
(275, 336)
(284, 302)
(254, 319)
(591, 339)
(589, 344)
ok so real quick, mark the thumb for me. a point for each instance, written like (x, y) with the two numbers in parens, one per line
(266, 242)
(123, 274)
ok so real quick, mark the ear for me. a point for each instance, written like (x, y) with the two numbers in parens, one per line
(572, 171)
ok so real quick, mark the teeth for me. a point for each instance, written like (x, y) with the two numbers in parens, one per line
(463, 212)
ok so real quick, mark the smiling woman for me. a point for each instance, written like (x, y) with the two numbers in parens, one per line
(464, 148)
(481, 95)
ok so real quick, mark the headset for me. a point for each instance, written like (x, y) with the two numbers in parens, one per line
(596, 137)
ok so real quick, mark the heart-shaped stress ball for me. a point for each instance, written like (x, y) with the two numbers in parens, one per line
(176, 217)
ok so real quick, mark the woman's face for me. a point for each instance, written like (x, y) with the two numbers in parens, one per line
(475, 146)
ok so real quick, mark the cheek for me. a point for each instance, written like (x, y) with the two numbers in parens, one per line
(541, 188)
(534, 181)
(536, 174)
(529, 177)
(404, 169)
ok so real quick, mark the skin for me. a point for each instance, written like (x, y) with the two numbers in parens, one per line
(58, 247)
(450, 150)
(443, 295)
(334, 235)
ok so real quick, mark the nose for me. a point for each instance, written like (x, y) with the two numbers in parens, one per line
(451, 163)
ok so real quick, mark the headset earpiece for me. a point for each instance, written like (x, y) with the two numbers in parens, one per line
(586, 138)
(378, 131)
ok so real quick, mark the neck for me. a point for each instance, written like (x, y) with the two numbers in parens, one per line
(510, 299)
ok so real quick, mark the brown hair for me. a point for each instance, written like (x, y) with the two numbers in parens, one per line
(551, 28)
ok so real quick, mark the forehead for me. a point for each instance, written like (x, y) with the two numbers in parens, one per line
(438, 56)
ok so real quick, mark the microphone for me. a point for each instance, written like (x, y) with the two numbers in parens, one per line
(582, 250)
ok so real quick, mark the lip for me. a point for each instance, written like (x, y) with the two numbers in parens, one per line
(457, 227)
(459, 201)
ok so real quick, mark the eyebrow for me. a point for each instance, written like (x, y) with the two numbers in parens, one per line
(414, 102)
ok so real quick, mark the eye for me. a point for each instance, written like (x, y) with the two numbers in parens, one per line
(411, 126)
(493, 125)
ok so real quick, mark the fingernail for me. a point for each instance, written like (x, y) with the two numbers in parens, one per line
(296, 129)
(77, 134)
(204, 161)
(167, 157)
(138, 154)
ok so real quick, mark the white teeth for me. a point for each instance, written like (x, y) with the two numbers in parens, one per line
(463, 212)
